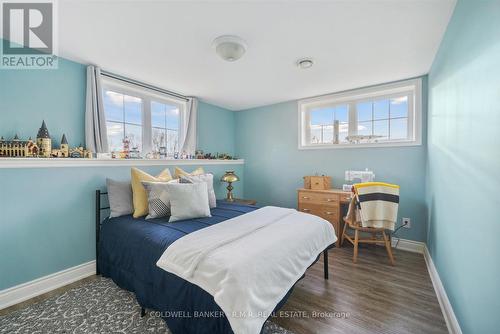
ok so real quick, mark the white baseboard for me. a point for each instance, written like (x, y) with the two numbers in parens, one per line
(25, 291)
(408, 245)
(444, 302)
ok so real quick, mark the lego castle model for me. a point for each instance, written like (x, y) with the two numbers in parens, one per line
(18, 148)
(41, 148)
(27, 148)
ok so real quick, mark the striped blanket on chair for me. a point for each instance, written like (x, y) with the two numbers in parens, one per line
(377, 204)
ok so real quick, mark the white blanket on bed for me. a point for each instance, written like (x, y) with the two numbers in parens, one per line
(248, 263)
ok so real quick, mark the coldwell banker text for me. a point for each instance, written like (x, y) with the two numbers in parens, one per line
(28, 32)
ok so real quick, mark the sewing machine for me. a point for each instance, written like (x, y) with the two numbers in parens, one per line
(357, 176)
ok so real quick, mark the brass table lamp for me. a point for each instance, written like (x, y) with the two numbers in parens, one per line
(229, 178)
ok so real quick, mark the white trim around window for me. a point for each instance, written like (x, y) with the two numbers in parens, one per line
(147, 96)
(410, 90)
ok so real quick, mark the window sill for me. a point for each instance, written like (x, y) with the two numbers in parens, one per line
(69, 162)
(365, 145)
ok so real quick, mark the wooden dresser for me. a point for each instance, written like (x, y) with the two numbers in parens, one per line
(325, 204)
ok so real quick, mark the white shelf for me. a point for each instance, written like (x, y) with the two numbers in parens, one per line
(70, 162)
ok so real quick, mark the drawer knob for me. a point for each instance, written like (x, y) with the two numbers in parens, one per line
(329, 200)
(305, 197)
(306, 210)
(329, 213)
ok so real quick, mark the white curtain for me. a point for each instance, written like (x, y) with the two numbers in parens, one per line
(188, 140)
(96, 138)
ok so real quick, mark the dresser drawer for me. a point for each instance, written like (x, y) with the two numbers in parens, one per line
(326, 212)
(318, 198)
(329, 213)
(314, 209)
(345, 198)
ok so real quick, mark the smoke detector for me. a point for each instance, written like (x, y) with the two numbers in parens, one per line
(304, 63)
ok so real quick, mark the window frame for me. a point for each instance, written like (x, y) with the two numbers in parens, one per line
(147, 96)
(411, 87)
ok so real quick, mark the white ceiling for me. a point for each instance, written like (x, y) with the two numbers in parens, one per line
(169, 44)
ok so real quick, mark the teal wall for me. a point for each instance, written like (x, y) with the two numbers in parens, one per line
(267, 139)
(47, 214)
(57, 96)
(463, 164)
(216, 129)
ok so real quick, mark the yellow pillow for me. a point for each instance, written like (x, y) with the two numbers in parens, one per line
(180, 172)
(140, 197)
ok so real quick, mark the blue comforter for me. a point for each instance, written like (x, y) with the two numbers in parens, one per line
(128, 251)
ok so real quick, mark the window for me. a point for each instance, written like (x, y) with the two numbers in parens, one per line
(385, 119)
(149, 121)
(123, 120)
(386, 115)
(165, 122)
(329, 125)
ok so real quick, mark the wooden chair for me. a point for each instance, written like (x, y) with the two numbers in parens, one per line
(356, 239)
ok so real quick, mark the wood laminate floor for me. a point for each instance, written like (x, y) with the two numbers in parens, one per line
(367, 297)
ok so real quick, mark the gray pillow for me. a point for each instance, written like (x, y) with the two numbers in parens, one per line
(120, 198)
(188, 200)
(208, 178)
(158, 198)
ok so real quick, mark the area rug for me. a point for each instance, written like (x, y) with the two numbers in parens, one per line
(98, 306)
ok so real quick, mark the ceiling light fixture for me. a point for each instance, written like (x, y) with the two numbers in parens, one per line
(229, 48)
(305, 63)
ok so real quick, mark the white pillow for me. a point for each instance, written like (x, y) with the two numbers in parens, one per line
(188, 200)
(208, 178)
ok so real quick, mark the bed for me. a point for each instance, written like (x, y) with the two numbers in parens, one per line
(127, 251)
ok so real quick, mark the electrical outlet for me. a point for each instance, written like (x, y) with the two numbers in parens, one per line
(406, 222)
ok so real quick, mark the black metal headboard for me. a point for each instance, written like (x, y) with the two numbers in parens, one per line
(98, 209)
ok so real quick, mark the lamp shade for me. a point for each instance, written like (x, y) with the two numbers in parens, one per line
(230, 177)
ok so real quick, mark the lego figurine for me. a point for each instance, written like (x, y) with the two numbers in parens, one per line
(125, 154)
